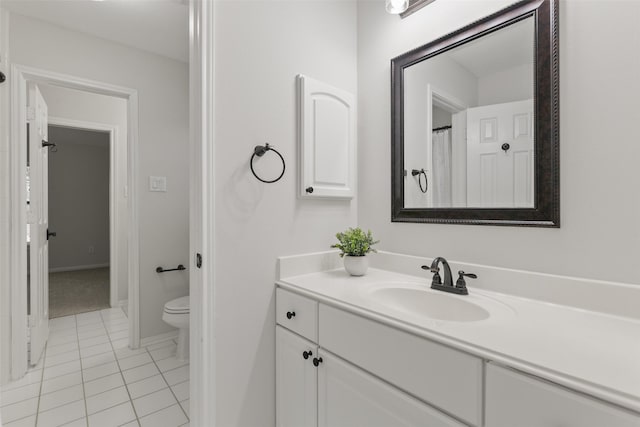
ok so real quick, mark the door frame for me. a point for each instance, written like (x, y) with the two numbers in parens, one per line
(202, 281)
(441, 99)
(18, 251)
(114, 188)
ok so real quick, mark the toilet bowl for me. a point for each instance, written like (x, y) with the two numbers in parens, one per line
(176, 314)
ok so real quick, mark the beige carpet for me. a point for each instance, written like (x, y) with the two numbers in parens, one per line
(73, 292)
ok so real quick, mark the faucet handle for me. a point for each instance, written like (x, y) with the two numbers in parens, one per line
(460, 283)
(436, 277)
(469, 275)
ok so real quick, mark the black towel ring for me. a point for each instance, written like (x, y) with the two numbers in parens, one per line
(259, 151)
(421, 172)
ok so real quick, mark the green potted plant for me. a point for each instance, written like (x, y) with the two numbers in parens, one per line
(354, 245)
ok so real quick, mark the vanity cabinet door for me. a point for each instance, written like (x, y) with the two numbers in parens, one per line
(296, 381)
(518, 400)
(350, 397)
(439, 375)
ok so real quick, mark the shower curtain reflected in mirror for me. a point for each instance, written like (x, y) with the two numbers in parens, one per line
(441, 160)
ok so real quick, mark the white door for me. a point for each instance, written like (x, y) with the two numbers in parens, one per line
(38, 219)
(500, 155)
(350, 397)
(296, 380)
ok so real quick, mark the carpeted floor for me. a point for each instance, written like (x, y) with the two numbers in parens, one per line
(74, 292)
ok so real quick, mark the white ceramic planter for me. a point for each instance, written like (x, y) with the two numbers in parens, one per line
(356, 265)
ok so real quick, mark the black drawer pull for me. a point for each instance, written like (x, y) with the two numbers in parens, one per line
(317, 361)
(306, 354)
(291, 314)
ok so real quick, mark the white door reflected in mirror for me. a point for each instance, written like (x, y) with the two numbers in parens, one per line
(468, 123)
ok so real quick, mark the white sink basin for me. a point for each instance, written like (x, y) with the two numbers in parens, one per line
(429, 303)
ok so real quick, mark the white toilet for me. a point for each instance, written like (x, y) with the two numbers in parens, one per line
(176, 313)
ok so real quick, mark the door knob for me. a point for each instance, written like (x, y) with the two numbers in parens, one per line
(506, 147)
(51, 234)
(309, 190)
(317, 361)
(306, 354)
(291, 314)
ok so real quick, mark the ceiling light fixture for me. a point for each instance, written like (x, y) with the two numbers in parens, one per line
(405, 8)
(396, 7)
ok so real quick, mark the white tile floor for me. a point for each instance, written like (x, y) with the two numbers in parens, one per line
(88, 377)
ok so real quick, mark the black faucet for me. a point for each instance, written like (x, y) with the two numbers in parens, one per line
(461, 286)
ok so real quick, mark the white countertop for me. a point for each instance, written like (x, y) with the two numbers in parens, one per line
(588, 351)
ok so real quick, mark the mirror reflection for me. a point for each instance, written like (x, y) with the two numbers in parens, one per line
(469, 125)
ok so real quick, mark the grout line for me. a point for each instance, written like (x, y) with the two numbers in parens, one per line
(60, 389)
(41, 381)
(162, 409)
(170, 389)
(84, 392)
(7, 390)
(123, 380)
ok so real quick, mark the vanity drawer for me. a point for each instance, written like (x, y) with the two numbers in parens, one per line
(446, 378)
(297, 313)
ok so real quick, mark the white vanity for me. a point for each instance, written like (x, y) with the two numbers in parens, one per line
(385, 350)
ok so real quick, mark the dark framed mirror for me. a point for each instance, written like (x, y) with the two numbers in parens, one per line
(475, 123)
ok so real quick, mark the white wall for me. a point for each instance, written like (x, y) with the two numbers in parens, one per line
(600, 206)
(260, 47)
(90, 107)
(441, 117)
(162, 86)
(513, 84)
(78, 198)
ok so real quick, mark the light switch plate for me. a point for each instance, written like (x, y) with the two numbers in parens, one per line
(157, 183)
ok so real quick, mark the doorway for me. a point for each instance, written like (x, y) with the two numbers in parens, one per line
(27, 333)
(79, 214)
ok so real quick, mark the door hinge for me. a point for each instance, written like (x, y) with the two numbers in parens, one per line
(31, 113)
(198, 260)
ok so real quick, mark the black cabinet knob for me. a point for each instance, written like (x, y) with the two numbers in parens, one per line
(306, 354)
(291, 314)
(317, 361)
(505, 147)
(309, 190)
(51, 234)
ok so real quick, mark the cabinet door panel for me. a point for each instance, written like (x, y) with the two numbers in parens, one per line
(328, 138)
(296, 381)
(445, 378)
(350, 397)
(518, 400)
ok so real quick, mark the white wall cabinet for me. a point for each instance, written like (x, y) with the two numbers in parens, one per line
(517, 400)
(327, 132)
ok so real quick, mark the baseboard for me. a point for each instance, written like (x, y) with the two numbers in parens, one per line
(159, 338)
(77, 267)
